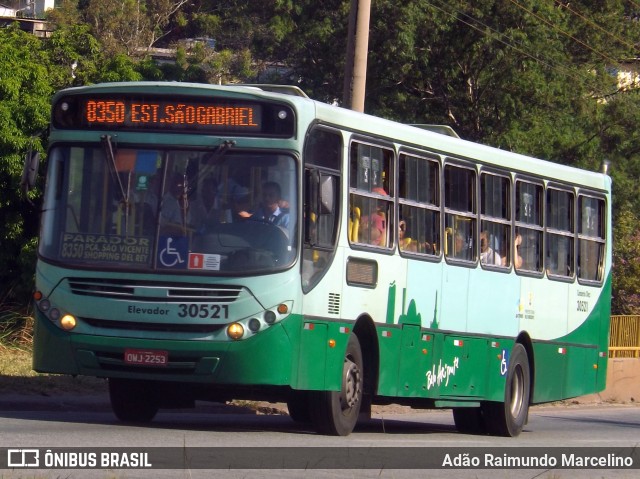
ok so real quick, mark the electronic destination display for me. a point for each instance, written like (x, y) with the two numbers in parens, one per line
(173, 114)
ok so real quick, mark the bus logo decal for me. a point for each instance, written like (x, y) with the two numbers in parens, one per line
(442, 375)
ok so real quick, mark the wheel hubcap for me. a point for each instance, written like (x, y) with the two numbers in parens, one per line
(517, 392)
(351, 384)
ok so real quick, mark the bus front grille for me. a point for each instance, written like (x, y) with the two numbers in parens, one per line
(153, 291)
(156, 327)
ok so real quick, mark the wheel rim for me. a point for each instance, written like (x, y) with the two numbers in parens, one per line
(517, 392)
(351, 385)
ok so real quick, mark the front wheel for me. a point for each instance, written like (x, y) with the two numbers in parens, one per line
(133, 401)
(335, 413)
(509, 417)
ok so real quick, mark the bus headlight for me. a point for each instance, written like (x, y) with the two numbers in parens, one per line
(68, 322)
(235, 331)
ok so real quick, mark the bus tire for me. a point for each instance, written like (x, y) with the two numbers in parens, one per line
(509, 417)
(298, 406)
(132, 401)
(469, 420)
(335, 413)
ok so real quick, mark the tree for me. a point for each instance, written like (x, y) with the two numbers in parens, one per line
(626, 260)
(25, 91)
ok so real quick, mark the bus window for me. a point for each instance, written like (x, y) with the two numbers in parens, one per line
(591, 238)
(419, 196)
(527, 249)
(495, 227)
(560, 233)
(460, 213)
(322, 158)
(371, 198)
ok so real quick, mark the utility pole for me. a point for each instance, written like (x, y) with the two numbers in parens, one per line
(355, 75)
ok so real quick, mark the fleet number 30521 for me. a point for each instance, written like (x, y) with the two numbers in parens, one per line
(204, 311)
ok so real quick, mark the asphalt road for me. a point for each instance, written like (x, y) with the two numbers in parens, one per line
(402, 440)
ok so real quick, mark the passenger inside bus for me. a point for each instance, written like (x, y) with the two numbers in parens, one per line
(517, 259)
(373, 228)
(176, 216)
(405, 242)
(205, 210)
(461, 246)
(487, 254)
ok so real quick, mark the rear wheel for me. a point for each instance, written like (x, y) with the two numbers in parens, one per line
(335, 413)
(133, 401)
(509, 417)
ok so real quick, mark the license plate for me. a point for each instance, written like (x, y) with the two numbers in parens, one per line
(145, 357)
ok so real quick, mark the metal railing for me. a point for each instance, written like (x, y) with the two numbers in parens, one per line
(624, 337)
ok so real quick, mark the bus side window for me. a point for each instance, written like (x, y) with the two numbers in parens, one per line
(371, 195)
(591, 239)
(529, 227)
(419, 198)
(495, 227)
(460, 212)
(560, 233)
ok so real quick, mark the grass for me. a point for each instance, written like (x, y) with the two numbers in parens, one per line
(16, 375)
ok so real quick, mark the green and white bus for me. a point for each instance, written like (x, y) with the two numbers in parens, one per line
(205, 242)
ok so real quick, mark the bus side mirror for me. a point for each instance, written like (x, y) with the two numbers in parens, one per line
(327, 194)
(30, 170)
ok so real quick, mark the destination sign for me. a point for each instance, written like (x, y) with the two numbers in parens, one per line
(177, 114)
(170, 114)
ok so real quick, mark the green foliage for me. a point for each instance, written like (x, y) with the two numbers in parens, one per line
(626, 272)
(527, 76)
(25, 91)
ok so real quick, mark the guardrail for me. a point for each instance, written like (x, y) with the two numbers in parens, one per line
(624, 337)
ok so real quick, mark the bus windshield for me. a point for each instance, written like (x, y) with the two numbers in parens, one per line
(170, 210)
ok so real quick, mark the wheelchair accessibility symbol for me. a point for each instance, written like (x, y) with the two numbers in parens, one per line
(173, 252)
(504, 363)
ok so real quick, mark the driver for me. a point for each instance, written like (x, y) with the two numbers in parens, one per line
(270, 210)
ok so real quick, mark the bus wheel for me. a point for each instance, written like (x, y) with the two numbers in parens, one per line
(469, 420)
(132, 401)
(509, 417)
(298, 406)
(335, 413)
